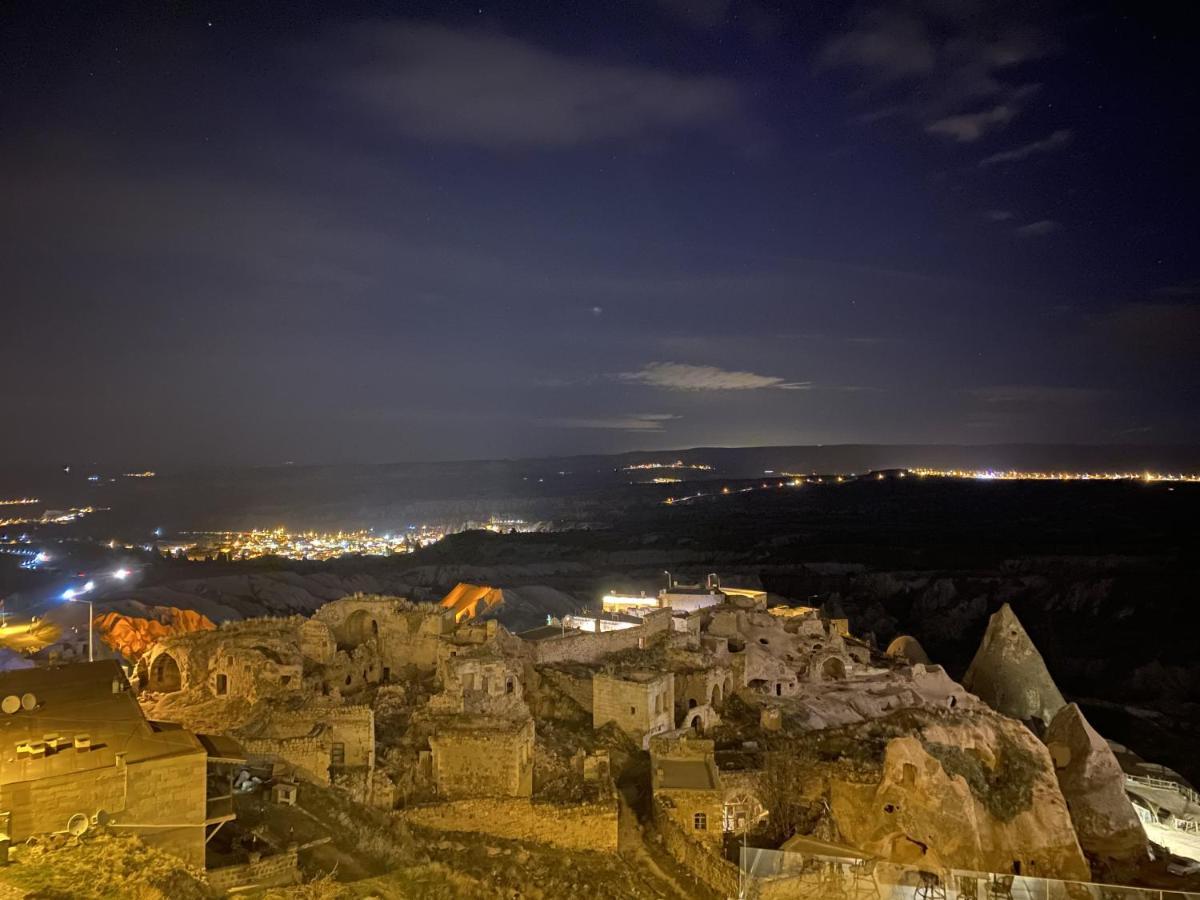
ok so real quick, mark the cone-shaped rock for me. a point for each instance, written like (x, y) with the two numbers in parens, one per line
(909, 649)
(1009, 674)
(1092, 781)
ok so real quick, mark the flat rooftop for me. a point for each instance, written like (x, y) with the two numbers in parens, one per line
(685, 775)
(80, 700)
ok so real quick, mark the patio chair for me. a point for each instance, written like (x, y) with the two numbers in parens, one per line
(931, 887)
(1000, 887)
(968, 887)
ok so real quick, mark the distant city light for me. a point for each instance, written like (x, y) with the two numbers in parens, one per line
(121, 574)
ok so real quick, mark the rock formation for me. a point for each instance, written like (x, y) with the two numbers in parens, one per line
(1010, 675)
(1094, 786)
(977, 795)
(909, 649)
(131, 636)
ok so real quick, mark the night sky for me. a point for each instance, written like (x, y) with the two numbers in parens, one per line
(372, 232)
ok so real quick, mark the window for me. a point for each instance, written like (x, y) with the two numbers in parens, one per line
(222, 684)
(700, 822)
(509, 685)
(337, 754)
(633, 710)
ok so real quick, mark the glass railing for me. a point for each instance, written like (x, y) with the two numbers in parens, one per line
(779, 875)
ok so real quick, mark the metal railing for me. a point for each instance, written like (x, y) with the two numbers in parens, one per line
(1164, 784)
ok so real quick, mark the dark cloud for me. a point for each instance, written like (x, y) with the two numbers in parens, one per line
(1055, 141)
(447, 85)
(952, 74)
(1040, 228)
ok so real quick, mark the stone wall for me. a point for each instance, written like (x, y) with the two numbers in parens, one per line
(307, 755)
(577, 688)
(704, 687)
(313, 740)
(702, 859)
(589, 647)
(487, 758)
(589, 826)
(268, 871)
(639, 708)
(406, 633)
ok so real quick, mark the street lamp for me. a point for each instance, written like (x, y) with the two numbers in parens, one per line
(73, 596)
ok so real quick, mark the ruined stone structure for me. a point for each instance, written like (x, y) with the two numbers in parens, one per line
(640, 703)
(249, 660)
(487, 684)
(316, 741)
(483, 757)
(884, 753)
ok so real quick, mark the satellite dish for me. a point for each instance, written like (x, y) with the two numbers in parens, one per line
(102, 817)
(28, 702)
(77, 824)
(11, 704)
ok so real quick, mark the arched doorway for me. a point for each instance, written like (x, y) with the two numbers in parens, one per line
(833, 669)
(165, 676)
(360, 627)
(714, 695)
(696, 723)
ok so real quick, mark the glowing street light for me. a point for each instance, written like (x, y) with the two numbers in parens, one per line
(70, 594)
(121, 574)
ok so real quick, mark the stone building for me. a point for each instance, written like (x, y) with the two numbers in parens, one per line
(641, 703)
(686, 785)
(249, 660)
(318, 742)
(406, 634)
(487, 684)
(482, 756)
(77, 753)
(703, 687)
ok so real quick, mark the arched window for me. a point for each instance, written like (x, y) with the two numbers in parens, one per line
(222, 684)
(700, 821)
(509, 685)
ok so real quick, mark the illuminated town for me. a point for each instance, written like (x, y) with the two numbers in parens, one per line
(53, 516)
(678, 464)
(314, 545)
(1003, 475)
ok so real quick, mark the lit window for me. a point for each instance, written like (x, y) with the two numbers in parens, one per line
(700, 822)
